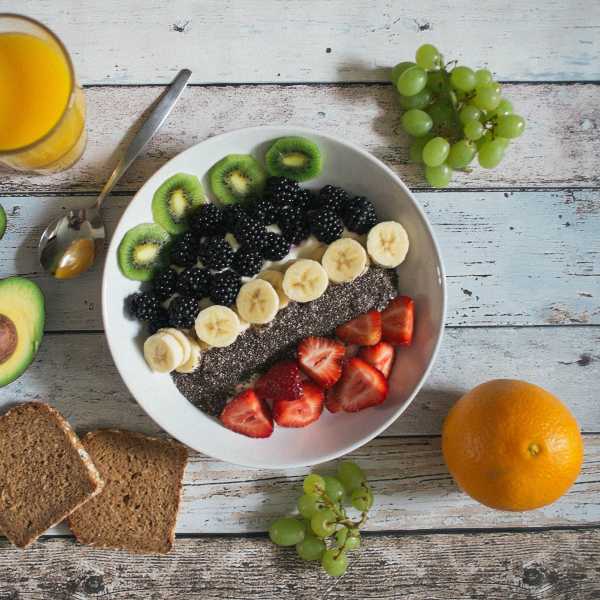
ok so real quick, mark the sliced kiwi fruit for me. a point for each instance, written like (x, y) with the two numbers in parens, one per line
(2, 221)
(144, 250)
(174, 199)
(295, 158)
(237, 178)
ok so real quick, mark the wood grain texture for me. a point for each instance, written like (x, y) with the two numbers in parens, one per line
(547, 565)
(523, 258)
(558, 149)
(337, 40)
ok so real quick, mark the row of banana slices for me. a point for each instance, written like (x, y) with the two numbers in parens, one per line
(260, 299)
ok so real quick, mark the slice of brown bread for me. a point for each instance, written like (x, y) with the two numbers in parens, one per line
(45, 473)
(137, 509)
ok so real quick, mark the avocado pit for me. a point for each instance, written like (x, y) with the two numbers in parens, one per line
(8, 338)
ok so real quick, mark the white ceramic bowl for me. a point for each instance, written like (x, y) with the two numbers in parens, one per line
(421, 276)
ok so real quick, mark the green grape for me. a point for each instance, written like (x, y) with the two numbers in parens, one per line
(333, 488)
(415, 150)
(474, 130)
(353, 540)
(323, 523)
(438, 177)
(398, 70)
(487, 137)
(435, 151)
(441, 113)
(469, 113)
(462, 78)
(416, 122)
(436, 81)
(341, 536)
(483, 77)
(309, 504)
(335, 562)
(420, 100)
(310, 548)
(504, 142)
(504, 108)
(491, 153)
(286, 531)
(461, 154)
(351, 475)
(314, 484)
(362, 499)
(495, 86)
(412, 81)
(510, 126)
(486, 97)
(428, 57)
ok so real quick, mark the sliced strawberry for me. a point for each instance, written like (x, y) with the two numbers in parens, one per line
(364, 330)
(398, 321)
(321, 359)
(333, 401)
(303, 412)
(380, 356)
(281, 382)
(249, 415)
(361, 386)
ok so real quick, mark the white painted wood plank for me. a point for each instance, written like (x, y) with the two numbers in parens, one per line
(272, 40)
(524, 258)
(75, 372)
(558, 149)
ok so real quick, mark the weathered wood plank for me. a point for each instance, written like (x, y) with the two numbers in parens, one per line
(76, 373)
(337, 40)
(545, 565)
(558, 149)
(524, 258)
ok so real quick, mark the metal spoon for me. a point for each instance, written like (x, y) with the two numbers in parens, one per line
(68, 246)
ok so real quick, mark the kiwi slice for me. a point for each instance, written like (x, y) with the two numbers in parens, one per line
(237, 178)
(143, 251)
(2, 221)
(174, 199)
(295, 158)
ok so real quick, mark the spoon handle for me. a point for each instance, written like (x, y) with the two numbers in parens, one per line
(152, 124)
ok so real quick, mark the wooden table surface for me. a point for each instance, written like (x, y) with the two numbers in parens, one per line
(521, 246)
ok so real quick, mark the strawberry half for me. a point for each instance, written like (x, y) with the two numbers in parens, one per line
(361, 386)
(249, 415)
(398, 321)
(303, 412)
(321, 359)
(333, 402)
(380, 356)
(281, 382)
(364, 330)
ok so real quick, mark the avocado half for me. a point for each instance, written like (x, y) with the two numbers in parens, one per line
(22, 316)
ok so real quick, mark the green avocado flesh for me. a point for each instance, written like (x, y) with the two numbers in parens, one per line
(22, 317)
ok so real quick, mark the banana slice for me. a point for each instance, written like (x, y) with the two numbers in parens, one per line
(183, 339)
(217, 326)
(244, 325)
(257, 302)
(387, 244)
(163, 352)
(344, 260)
(193, 362)
(305, 280)
(275, 278)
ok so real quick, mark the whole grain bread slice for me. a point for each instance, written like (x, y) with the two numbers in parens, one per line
(45, 473)
(137, 510)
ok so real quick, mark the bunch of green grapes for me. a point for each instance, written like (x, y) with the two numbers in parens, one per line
(323, 531)
(453, 114)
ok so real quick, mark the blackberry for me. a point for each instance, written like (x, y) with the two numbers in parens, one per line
(264, 212)
(360, 215)
(224, 287)
(142, 305)
(281, 190)
(217, 254)
(326, 226)
(183, 311)
(194, 282)
(296, 233)
(233, 216)
(250, 233)
(306, 199)
(207, 220)
(276, 246)
(247, 262)
(164, 283)
(289, 216)
(185, 250)
(333, 198)
(160, 321)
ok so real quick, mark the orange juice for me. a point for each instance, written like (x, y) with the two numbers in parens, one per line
(42, 110)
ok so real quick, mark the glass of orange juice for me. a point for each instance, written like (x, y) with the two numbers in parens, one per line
(42, 108)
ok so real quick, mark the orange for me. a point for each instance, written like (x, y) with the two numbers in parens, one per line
(512, 445)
